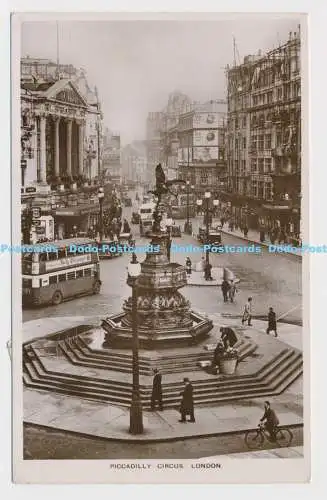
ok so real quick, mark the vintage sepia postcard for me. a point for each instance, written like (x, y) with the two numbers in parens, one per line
(160, 248)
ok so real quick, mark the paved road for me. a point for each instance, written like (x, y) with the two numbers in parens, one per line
(42, 444)
(272, 280)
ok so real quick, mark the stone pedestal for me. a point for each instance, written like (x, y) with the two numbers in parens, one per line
(163, 314)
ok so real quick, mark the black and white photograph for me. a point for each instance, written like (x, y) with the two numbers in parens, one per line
(159, 245)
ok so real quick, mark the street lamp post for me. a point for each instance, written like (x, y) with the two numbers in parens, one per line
(100, 198)
(136, 417)
(207, 196)
(188, 228)
(208, 212)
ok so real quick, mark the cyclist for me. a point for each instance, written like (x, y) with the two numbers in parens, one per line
(270, 421)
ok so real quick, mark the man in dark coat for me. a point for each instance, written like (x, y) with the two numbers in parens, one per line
(228, 336)
(272, 323)
(270, 420)
(225, 289)
(156, 395)
(187, 403)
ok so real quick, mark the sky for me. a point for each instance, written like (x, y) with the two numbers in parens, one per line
(137, 64)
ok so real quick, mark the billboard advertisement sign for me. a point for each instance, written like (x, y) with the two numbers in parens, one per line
(205, 137)
(206, 120)
(205, 154)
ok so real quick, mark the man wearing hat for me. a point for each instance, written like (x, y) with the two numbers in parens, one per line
(156, 395)
(187, 403)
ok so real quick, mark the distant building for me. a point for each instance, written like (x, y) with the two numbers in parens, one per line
(264, 139)
(134, 162)
(112, 165)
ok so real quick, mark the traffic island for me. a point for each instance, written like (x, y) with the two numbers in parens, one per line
(196, 278)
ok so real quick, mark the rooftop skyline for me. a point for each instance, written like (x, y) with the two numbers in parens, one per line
(136, 64)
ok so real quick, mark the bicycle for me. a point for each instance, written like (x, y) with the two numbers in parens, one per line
(255, 438)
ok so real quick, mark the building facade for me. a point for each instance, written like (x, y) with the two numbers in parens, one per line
(112, 165)
(60, 147)
(201, 148)
(264, 139)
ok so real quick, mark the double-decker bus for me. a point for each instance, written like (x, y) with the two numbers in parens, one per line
(53, 272)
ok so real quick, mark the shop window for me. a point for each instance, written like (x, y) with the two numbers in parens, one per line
(87, 272)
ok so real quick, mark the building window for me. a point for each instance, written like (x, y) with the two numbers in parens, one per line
(254, 143)
(279, 94)
(243, 165)
(244, 122)
(261, 165)
(269, 97)
(244, 142)
(268, 191)
(255, 100)
(254, 188)
(253, 165)
(261, 143)
(203, 177)
(268, 141)
(278, 139)
(268, 165)
(261, 189)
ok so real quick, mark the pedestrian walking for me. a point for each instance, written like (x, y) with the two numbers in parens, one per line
(156, 395)
(187, 403)
(245, 231)
(272, 323)
(207, 272)
(225, 289)
(188, 265)
(232, 290)
(247, 313)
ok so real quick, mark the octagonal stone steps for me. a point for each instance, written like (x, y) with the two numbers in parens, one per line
(274, 378)
(79, 354)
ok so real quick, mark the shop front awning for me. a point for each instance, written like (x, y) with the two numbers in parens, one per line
(79, 211)
(277, 208)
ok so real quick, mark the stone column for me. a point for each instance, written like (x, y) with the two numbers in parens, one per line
(43, 164)
(81, 129)
(69, 124)
(56, 145)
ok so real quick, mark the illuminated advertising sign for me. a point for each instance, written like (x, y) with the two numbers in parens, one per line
(205, 120)
(205, 138)
(205, 154)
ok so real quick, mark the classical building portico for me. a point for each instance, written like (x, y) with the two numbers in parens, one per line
(58, 115)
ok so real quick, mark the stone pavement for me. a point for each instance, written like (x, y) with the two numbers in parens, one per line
(254, 237)
(197, 278)
(291, 452)
(111, 422)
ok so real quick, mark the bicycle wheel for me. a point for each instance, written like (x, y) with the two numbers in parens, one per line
(254, 439)
(284, 437)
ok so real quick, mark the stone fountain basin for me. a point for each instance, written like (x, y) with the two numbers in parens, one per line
(121, 336)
